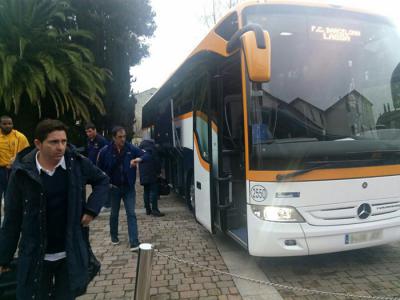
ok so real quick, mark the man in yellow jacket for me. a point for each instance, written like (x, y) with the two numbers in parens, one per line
(11, 142)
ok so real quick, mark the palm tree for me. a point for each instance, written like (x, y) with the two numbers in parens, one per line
(41, 62)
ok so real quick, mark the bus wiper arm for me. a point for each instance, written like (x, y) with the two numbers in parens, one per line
(326, 165)
(291, 141)
(282, 177)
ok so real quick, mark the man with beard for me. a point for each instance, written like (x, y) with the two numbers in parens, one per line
(11, 142)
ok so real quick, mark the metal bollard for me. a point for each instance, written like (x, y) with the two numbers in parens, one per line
(143, 272)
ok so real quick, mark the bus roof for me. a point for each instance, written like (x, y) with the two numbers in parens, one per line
(212, 42)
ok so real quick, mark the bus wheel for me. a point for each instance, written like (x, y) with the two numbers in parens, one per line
(190, 193)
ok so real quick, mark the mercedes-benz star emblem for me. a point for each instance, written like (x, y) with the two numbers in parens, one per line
(364, 185)
(364, 211)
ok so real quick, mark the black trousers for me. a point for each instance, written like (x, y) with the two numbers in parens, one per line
(54, 284)
(150, 194)
(4, 173)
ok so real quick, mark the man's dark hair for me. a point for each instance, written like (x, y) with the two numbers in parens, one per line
(116, 129)
(47, 126)
(90, 126)
(5, 117)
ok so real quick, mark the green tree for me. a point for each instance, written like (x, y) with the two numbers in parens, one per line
(42, 64)
(121, 29)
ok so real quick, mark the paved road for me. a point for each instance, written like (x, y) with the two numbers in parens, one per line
(368, 272)
(176, 234)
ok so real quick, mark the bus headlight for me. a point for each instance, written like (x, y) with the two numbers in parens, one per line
(277, 213)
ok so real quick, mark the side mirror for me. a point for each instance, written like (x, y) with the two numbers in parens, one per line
(258, 60)
(256, 45)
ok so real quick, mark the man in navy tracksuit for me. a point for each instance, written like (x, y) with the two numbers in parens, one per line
(119, 160)
(95, 142)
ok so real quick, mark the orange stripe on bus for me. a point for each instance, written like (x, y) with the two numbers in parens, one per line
(245, 116)
(212, 42)
(184, 116)
(332, 174)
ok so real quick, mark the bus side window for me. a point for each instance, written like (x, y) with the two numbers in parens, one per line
(201, 116)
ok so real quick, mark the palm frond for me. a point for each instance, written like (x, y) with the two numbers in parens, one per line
(40, 58)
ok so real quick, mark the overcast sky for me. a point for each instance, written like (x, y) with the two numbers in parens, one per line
(180, 27)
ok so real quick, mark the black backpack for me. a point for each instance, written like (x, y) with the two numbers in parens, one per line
(163, 187)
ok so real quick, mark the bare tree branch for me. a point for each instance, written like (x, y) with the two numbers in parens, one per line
(215, 9)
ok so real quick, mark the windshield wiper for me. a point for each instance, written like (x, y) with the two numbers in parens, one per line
(290, 140)
(379, 151)
(282, 177)
(327, 165)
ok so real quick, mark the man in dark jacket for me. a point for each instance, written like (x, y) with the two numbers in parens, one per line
(119, 161)
(46, 211)
(94, 143)
(149, 173)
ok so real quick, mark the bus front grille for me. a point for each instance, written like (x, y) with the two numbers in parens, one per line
(351, 213)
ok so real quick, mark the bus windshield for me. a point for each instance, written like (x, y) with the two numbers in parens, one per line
(334, 93)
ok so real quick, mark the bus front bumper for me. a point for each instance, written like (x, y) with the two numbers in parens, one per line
(272, 239)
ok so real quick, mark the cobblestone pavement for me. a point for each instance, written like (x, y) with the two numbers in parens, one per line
(368, 272)
(176, 234)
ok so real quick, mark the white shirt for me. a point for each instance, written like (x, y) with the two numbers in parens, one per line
(59, 255)
(48, 172)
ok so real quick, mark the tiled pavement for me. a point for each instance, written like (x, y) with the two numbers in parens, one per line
(176, 234)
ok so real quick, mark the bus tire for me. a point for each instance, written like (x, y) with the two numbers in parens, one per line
(190, 193)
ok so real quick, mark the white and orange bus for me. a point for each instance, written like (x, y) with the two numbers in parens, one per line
(282, 128)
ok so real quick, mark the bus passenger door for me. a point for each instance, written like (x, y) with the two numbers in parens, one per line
(228, 165)
(201, 179)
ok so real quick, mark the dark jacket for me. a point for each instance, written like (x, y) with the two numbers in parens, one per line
(25, 217)
(107, 161)
(93, 147)
(150, 169)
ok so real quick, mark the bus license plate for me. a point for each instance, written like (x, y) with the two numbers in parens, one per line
(360, 237)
